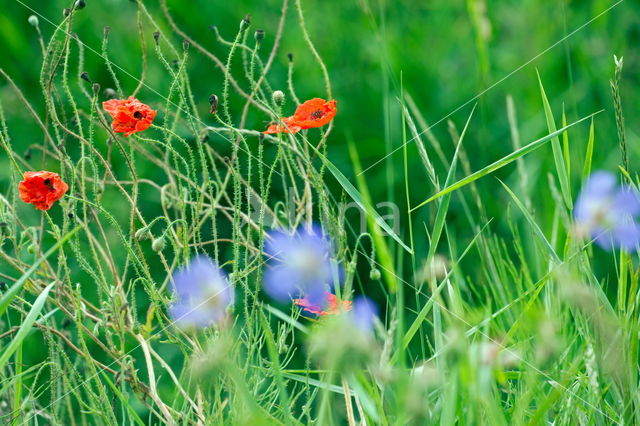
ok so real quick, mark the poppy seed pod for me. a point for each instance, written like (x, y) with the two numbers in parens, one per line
(158, 244)
(375, 274)
(33, 20)
(278, 97)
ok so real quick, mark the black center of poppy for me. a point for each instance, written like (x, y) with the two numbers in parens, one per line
(137, 115)
(317, 114)
(49, 184)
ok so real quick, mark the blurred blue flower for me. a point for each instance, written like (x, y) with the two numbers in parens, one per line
(364, 313)
(300, 265)
(203, 294)
(607, 212)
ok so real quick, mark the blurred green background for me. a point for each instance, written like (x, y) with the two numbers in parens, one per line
(443, 53)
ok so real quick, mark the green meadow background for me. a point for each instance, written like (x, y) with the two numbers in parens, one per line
(447, 56)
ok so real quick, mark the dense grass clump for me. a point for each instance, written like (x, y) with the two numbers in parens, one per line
(216, 224)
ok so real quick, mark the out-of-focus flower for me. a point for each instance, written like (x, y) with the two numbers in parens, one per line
(364, 313)
(330, 307)
(607, 212)
(300, 265)
(42, 189)
(129, 115)
(203, 294)
(313, 113)
(287, 126)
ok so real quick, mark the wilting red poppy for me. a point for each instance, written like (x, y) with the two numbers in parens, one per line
(331, 307)
(129, 115)
(313, 113)
(287, 126)
(42, 189)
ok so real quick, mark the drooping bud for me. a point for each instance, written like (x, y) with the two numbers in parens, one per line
(142, 234)
(85, 76)
(245, 23)
(213, 101)
(158, 244)
(80, 4)
(66, 12)
(278, 97)
(34, 21)
(290, 57)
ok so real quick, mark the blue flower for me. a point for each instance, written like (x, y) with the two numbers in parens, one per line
(203, 294)
(364, 313)
(300, 265)
(607, 212)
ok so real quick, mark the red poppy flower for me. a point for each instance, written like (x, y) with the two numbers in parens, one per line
(42, 189)
(314, 113)
(129, 115)
(331, 307)
(287, 126)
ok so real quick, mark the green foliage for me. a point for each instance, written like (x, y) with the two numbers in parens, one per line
(493, 308)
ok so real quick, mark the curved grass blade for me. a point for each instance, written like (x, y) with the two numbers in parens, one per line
(501, 163)
(26, 326)
(6, 298)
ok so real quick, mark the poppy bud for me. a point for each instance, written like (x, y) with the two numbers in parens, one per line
(185, 44)
(375, 274)
(96, 88)
(278, 97)
(3, 285)
(213, 101)
(80, 4)
(290, 56)
(4, 229)
(245, 23)
(66, 12)
(259, 35)
(107, 30)
(142, 234)
(85, 76)
(158, 244)
(33, 20)
(109, 93)
(156, 36)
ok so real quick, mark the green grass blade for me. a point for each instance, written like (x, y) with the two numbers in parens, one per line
(7, 297)
(558, 157)
(532, 222)
(589, 155)
(508, 159)
(357, 197)
(24, 329)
